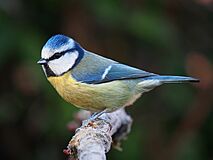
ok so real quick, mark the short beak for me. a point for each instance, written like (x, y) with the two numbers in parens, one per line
(42, 61)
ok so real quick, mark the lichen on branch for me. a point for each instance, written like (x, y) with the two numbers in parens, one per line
(94, 138)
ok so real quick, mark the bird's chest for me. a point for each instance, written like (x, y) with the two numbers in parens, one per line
(92, 97)
(79, 94)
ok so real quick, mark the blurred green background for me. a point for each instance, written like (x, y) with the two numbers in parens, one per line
(161, 36)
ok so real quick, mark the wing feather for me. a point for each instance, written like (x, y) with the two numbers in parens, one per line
(102, 70)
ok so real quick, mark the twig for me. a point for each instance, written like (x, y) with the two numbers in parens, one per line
(93, 139)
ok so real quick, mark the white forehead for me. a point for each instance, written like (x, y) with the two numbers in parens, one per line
(48, 51)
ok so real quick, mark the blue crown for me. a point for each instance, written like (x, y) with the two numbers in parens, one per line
(56, 41)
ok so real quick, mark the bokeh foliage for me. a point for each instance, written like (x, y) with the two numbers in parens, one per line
(162, 36)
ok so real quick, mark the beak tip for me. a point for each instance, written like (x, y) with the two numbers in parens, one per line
(42, 61)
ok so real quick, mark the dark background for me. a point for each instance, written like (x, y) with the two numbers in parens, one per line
(162, 36)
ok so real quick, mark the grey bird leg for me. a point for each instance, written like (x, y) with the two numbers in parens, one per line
(96, 115)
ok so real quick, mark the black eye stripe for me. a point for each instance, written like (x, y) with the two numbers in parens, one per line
(57, 55)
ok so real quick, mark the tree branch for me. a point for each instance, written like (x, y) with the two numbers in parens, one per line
(93, 139)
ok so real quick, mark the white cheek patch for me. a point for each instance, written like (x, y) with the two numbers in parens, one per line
(64, 63)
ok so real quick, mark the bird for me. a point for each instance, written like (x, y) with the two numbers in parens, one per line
(93, 82)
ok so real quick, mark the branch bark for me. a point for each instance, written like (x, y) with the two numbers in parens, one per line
(93, 139)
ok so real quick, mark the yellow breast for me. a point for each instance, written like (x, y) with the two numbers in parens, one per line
(91, 97)
(71, 90)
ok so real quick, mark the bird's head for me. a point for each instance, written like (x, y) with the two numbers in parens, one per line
(59, 55)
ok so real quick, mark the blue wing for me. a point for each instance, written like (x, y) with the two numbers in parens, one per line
(95, 69)
(115, 71)
(120, 72)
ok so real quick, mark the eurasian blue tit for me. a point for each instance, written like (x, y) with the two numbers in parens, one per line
(93, 82)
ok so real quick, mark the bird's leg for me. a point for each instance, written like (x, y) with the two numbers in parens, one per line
(95, 115)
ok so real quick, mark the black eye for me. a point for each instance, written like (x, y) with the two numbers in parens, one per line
(56, 56)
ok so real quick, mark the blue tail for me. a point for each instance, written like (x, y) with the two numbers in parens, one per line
(172, 79)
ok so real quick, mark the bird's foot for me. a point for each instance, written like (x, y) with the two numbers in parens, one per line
(96, 115)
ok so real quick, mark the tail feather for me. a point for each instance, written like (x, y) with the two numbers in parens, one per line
(172, 79)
